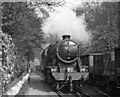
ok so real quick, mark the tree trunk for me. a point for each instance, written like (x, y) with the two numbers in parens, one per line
(118, 24)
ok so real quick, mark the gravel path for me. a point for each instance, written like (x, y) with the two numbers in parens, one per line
(38, 86)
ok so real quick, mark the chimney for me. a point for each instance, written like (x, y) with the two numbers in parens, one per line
(66, 37)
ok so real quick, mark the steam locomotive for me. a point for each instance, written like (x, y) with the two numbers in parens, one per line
(61, 64)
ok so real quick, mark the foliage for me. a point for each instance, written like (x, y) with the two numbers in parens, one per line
(44, 7)
(21, 23)
(101, 19)
(13, 63)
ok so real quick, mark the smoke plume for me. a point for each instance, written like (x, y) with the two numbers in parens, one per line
(66, 22)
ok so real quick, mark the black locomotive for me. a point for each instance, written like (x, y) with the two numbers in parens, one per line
(61, 64)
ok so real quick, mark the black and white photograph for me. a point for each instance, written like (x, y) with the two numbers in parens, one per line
(59, 48)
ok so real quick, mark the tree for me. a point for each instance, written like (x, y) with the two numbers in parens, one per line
(101, 19)
(21, 23)
(21, 20)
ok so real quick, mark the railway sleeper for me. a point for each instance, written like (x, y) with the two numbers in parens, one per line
(60, 85)
(79, 93)
(76, 92)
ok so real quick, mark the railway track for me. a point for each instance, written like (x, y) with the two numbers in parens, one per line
(81, 91)
(96, 91)
(74, 93)
(106, 95)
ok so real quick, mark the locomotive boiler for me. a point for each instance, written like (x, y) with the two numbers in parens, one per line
(61, 64)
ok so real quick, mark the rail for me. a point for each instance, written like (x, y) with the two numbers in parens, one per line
(75, 93)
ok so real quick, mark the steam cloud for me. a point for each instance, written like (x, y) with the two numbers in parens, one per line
(66, 22)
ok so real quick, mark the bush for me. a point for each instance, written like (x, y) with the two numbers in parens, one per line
(13, 62)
